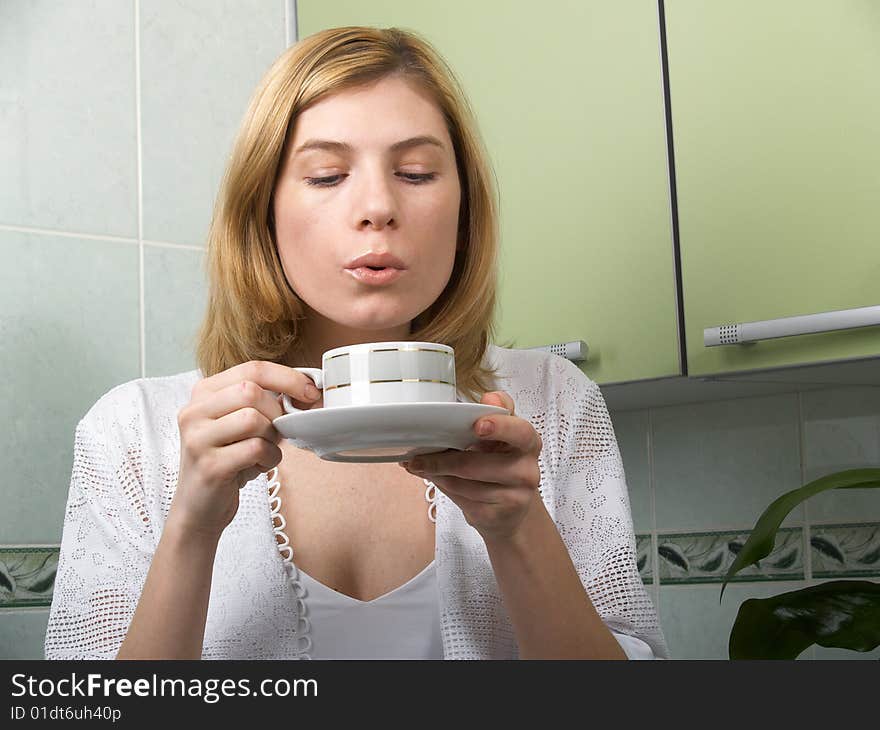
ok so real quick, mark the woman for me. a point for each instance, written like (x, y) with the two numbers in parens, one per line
(357, 141)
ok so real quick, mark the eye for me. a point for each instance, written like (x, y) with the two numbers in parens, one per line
(414, 178)
(324, 182)
(417, 178)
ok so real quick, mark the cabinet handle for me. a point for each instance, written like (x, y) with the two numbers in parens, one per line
(805, 324)
(576, 350)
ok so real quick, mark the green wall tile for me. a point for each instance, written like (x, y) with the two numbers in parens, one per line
(69, 316)
(200, 62)
(23, 633)
(631, 430)
(175, 295)
(842, 431)
(68, 143)
(719, 465)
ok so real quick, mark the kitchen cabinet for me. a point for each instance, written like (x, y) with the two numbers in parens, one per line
(569, 99)
(776, 121)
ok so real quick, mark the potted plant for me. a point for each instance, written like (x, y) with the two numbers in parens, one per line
(839, 613)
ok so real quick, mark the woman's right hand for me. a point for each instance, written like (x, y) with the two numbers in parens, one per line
(227, 439)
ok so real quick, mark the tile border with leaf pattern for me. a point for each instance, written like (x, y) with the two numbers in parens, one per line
(848, 550)
(27, 575)
(645, 558)
(704, 557)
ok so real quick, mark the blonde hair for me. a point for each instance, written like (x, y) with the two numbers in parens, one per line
(252, 312)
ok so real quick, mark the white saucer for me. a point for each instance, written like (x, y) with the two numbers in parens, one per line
(385, 432)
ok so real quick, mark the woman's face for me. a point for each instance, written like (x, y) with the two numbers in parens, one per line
(368, 170)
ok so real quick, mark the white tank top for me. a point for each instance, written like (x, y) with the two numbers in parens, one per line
(401, 624)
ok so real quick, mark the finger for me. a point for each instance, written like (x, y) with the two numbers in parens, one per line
(239, 425)
(228, 461)
(514, 431)
(245, 394)
(499, 398)
(472, 509)
(486, 446)
(473, 491)
(268, 375)
(503, 468)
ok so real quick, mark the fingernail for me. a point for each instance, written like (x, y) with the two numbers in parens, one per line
(312, 391)
(485, 427)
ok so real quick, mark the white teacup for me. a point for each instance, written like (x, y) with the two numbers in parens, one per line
(373, 373)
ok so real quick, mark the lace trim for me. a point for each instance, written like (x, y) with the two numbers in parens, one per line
(431, 499)
(282, 542)
(303, 626)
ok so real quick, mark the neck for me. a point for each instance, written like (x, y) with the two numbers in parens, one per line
(321, 334)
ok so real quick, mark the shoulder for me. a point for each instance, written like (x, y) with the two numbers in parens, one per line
(140, 403)
(126, 447)
(561, 401)
(546, 374)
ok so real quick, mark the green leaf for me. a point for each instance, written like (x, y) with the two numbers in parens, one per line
(763, 536)
(43, 579)
(7, 580)
(24, 577)
(842, 613)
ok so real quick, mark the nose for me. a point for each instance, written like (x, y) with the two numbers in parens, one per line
(375, 204)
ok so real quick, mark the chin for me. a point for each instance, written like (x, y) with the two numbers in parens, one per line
(370, 313)
(366, 320)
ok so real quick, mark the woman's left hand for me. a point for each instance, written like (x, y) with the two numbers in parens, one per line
(496, 483)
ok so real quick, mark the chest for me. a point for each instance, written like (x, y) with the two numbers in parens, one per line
(360, 529)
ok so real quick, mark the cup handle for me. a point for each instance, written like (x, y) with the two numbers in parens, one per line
(317, 375)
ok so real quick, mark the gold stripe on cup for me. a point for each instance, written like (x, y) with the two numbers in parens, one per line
(404, 380)
(395, 349)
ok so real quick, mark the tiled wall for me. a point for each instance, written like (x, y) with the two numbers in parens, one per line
(116, 119)
(699, 477)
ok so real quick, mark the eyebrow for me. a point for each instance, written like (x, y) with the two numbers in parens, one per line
(326, 144)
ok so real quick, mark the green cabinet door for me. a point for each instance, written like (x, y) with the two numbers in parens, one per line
(776, 126)
(570, 103)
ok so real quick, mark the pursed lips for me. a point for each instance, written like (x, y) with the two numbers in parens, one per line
(376, 261)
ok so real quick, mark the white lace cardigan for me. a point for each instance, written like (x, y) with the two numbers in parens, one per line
(125, 469)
